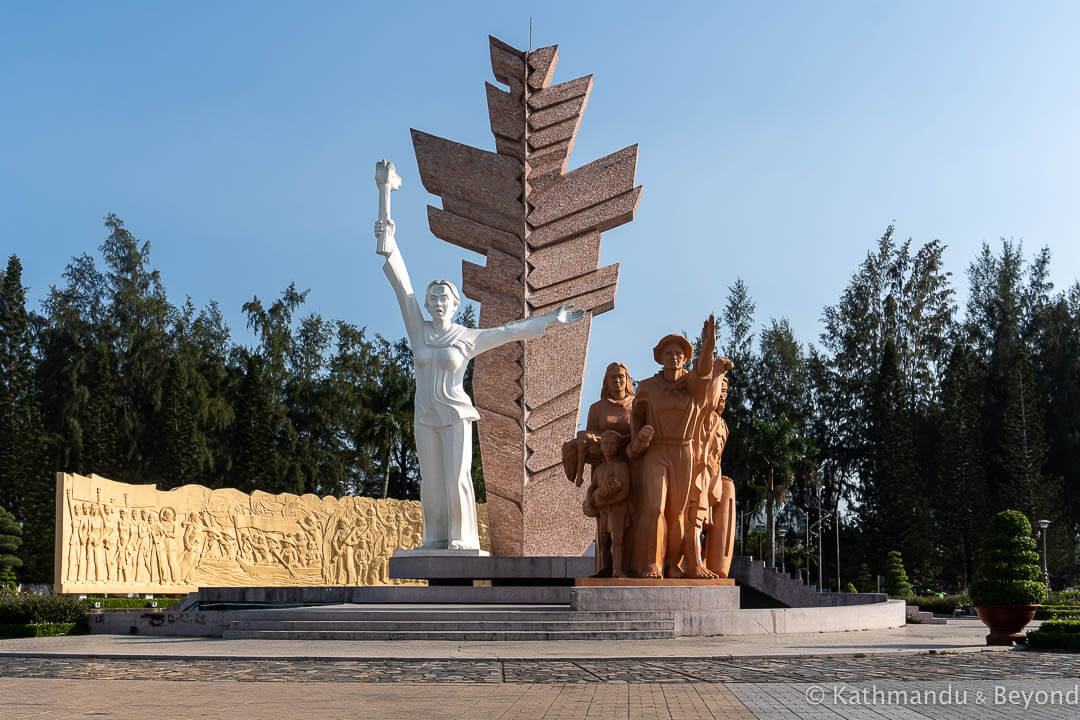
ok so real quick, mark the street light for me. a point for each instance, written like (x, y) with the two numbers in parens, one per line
(1043, 524)
(782, 532)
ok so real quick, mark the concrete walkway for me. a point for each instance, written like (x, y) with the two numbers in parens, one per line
(959, 635)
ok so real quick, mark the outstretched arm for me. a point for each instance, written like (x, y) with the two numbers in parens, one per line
(697, 380)
(491, 338)
(398, 275)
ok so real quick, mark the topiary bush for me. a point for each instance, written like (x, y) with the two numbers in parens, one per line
(1008, 571)
(896, 580)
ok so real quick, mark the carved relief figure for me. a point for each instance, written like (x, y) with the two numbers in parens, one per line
(444, 414)
(75, 539)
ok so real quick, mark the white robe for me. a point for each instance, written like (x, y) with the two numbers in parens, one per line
(444, 413)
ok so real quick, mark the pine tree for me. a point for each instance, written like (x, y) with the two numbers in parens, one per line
(98, 432)
(738, 317)
(10, 540)
(26, 486)
(181, 453)
(896, 580)
(256, 464)
(960, 495)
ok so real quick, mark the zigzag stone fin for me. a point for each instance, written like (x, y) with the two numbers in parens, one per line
(563, 261)
(560, 93)
(559, 346)
(472, 235)
(542, 66)
(506, 114)
(553, 409)
(589, 185)
(598, 218)
(478, 177)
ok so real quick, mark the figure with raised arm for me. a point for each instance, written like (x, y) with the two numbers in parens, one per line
(666, 409)
(443, 413)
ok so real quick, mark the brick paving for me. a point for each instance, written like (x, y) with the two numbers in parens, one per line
(967, 686)
(966, 667)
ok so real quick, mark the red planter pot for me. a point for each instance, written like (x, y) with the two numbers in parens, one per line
(1006, 622)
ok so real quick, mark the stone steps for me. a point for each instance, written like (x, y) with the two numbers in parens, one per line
(453, 635)
(922, 617)
(460, 625)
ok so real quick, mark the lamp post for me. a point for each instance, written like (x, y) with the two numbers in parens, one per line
(782, 532)
(1043, 525)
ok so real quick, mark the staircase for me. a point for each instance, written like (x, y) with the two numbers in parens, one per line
(768, 587)
(477, 623)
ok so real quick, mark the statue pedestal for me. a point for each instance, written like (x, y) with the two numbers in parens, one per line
(440, 553)
(680, 596)
(462, 569)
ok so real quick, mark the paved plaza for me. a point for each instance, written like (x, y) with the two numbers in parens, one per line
(908, 673)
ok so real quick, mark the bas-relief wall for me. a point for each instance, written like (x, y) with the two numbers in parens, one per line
(118, 538)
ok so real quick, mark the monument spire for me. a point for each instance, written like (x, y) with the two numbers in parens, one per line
(539, 228)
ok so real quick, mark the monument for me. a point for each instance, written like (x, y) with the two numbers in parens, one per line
(539, 228)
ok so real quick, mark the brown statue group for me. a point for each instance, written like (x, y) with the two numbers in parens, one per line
(662, 506)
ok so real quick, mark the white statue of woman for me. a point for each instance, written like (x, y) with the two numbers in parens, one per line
(444, 414)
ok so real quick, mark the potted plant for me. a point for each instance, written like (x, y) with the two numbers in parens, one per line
(1007, 587)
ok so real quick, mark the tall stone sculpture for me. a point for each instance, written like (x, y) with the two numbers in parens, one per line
(539, 228)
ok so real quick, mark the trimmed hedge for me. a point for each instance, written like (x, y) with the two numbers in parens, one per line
(1056, 634)
(40, 629)
(941, 605)
(26, 609)
(132, 603)
(1057, 612)
(1008, 571)
(1065, 597)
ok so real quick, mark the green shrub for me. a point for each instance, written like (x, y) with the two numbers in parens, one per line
(863, 581)
(1057, 612)
(1057, 634)
(1065, 597)
(896, 580)
(1008, 572)
(43, 629)
(26, 609)
(941, 605)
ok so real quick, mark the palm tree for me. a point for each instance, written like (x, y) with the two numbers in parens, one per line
(774, 451)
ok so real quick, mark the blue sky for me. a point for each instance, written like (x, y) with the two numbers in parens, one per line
(777, 141)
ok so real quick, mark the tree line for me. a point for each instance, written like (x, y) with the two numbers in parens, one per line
(113, 378)
(911, 421)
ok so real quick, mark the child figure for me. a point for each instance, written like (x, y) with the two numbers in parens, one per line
(610, 495)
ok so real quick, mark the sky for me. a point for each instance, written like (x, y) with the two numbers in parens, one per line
(776, 143)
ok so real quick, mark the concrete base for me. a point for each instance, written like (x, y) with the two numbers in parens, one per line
(653, 582)
(787, 621)
(535, 570)
(658, 598)
(441, 553)
(460, 623)
(463, 594)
